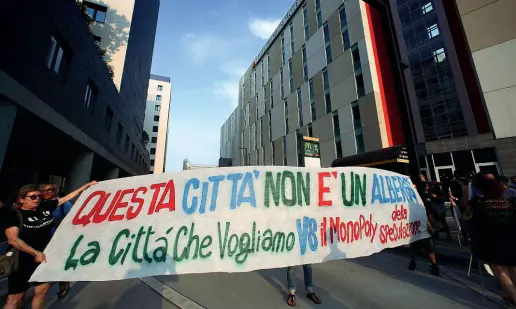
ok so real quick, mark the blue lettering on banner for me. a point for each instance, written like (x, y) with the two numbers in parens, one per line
(216, 181)
(235, 177)
(193, 206)
(247, 183)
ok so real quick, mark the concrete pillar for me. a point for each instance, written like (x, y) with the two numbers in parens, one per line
(81, 171)
(113, 173)
(7, 117)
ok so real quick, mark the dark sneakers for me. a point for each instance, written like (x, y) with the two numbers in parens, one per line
(412, 265)
(434, 269)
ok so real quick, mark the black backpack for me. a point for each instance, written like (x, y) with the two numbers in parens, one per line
(9, 257)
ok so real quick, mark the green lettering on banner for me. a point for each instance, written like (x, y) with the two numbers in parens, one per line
(89, 257)
(205, 244)
(303, 189)
(182, 230)
(267, 237)
(360, 189)
(278, 242)
(292, 201)
(222, 244)
(114, 258)
(291, 241)
(244, 244)
(273, 187)
(351, 192)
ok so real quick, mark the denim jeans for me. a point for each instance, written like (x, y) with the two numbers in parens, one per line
(291, 278)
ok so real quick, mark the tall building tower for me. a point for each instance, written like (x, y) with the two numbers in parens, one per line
(450, 116)
(156, 121)
(324, 73)
(55, 83)
(125, 31)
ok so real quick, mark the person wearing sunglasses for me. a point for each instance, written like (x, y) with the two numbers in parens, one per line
(31, 238)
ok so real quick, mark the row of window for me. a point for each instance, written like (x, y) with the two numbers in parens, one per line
(57, 59)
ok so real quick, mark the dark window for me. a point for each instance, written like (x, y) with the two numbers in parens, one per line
(326, 32)
(158, 98)
(310, 130)
(160, 88)
(343, 19)
(119, 134)
(329, 58)
(156, 118)
(345, 39)
(154, 140)
(327, 101)
(314, 114)
(356, 57)
(157, 108)
(485, 155)
(336, 125)
(360, 143)
(360, 85)
(90, 96)
(95, 11)
(356, 115)
(326, 82)
(338, 148)
(155, 129)
(109, 118)
(56, 55)
(153, 151)
(152, 162)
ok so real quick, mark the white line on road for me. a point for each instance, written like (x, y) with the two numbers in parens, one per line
(170, 294)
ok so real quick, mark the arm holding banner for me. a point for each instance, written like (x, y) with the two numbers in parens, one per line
(12, 234)
(75, 193)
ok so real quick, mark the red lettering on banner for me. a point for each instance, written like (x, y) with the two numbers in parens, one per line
(137, 200)
(101, 217)
(323, 189)
(347, 231)
(399, 214)
(119, 204)
(171, 192)
(85, 220)
(157, 188)
(398, 231)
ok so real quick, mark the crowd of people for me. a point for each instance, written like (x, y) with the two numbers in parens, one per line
(29, 225)
(483, 206)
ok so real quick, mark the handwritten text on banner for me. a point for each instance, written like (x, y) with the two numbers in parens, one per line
(231, 220)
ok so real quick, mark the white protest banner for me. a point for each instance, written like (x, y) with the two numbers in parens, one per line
(231, 220)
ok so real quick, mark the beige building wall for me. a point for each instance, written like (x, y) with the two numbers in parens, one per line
(490, 29)
(158, 104)
(270, 118)
(114, 33)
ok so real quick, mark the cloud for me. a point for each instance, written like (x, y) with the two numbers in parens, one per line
(263, 28)
(227, 91)
(201, 47)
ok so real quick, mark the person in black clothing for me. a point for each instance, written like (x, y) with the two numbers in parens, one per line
(30, 237)
(493, 222)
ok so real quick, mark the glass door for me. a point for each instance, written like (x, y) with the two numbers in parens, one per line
(444, 172)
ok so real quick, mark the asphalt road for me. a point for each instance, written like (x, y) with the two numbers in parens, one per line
(379, 281)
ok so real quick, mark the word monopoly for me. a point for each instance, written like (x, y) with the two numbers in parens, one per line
(234, 219)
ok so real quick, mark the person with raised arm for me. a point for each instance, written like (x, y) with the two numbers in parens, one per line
(28, 228)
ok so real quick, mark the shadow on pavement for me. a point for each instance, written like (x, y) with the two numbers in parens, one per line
(442, 285)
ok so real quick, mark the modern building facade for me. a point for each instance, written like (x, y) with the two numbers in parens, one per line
(324, 73)
(156, 121)
(62, 116)
(450, 117)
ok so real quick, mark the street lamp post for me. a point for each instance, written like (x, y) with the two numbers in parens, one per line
(404, 109)
(245, 155)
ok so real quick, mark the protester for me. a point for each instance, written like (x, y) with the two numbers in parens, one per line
(427, 245)
(30, 237)
(50, 192)
(438, 199)
(291, 281)
(509, 192)
(513, 182)
(493, 228)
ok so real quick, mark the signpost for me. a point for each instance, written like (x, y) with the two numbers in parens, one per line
(311, 152)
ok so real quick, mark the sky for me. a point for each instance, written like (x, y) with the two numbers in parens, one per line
(205, 46)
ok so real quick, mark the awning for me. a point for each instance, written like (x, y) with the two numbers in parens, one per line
(395, 154)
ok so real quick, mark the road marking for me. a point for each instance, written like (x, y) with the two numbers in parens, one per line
(170, 294)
